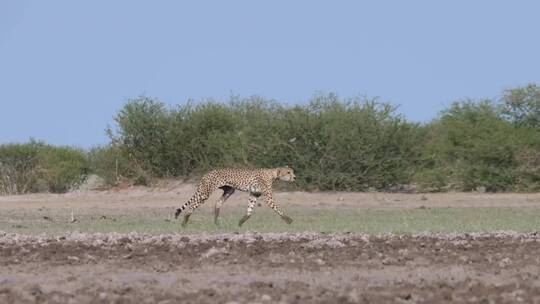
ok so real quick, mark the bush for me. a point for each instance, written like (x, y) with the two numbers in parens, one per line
(62, 167)
(142, 128)
(37, 167)
(334, 145)
(471, 146)
(109, 163)
(18, 168)
(522, 106)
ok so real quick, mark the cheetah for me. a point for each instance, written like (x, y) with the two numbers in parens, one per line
(258, 182)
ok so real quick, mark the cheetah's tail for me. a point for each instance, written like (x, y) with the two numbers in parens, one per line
(192, 200)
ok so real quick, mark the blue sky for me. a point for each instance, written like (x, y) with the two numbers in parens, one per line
(66, 67)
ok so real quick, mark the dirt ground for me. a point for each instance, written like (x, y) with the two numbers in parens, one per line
(72, 267)
(173, 194)
(270, 268)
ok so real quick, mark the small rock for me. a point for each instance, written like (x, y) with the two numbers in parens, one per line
(35, 290)
(353, 296)
(406, 297)
(505, 262)
(320, 262)
(149, 300)
(403, 252)
(320, 243)
(213, 251)
(481, 189)
(91, 257)
(266, 298)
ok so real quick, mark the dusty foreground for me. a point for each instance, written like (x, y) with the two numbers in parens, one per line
(270, 268)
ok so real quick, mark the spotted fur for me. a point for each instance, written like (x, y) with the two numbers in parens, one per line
(258, 182)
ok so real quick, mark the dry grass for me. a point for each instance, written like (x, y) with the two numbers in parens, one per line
(160, 220)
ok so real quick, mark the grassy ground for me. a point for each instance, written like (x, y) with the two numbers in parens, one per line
(160, 220)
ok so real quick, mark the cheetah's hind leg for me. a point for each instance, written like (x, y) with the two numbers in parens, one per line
(287, 219)
(227, 192)
(185, 221)
(194, 202)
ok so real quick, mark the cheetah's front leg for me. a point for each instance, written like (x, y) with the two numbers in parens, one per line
(270, 202)
(249, 211)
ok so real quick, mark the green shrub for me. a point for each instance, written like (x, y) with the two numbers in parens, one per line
(62, 167)
(334, 145)
(37, 167)
(18, 168)
(110, 163)
(470, 147)
(522, 106)
(142, 129)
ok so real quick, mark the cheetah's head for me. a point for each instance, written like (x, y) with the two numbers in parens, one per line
(285, 174)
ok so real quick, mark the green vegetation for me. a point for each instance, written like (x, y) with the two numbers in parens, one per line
(489, 144)
(157, 221)
(37, 167)
(472, 146)
(352, 144)
(335, 145)
(109, 163)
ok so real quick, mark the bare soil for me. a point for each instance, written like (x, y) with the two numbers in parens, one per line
(173, 194)
(270, 268)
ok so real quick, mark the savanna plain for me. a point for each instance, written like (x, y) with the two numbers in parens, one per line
(124, 246)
